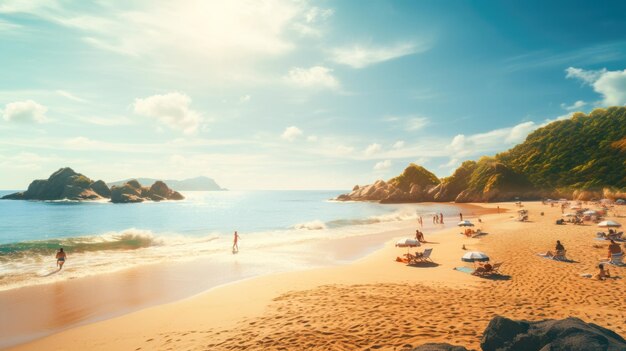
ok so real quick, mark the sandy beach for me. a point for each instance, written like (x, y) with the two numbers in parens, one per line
(377, 303)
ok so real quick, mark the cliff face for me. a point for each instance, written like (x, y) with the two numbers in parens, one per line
(67, 184)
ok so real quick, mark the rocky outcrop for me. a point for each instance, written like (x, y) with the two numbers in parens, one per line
(484, 181)
(439, 347)
(132, 191)
(571, 334)
(63, 184)
(67, 184)
(415, 184)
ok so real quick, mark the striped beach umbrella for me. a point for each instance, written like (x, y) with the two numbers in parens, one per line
(609, 224)
(465, 223)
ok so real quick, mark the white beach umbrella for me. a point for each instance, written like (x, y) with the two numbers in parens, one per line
(465, 223)
(569, 214)
(609, 224)
(408, 242)
(475, 256)
(590, 213)
(575, 207)
(620, 201)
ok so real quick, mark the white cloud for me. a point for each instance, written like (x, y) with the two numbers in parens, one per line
(575, 106)
(314, 77)
(244, 99)
(67, 94)
(491, 141)
(343, 149)
(171, 109)
(372, 149)
(312, 138)
(398, 144)
(416, 123)
(25, 111)
(360, 56)
(382, 165)
(588, 77)
(610, 84)
(315, 14)
(291, 133)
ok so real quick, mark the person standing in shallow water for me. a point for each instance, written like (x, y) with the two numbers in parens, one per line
(461, 216)
(61, 256)
(236, 238)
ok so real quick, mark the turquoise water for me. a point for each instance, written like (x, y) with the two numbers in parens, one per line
(105, 237)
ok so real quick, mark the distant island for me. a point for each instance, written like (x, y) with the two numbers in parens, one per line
(583, 158)
(192, 184)
(67, 184)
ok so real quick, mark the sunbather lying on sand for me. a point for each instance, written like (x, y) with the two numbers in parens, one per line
(483, 268)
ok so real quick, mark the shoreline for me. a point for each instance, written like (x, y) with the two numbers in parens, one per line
(63, 305)
(375, 301)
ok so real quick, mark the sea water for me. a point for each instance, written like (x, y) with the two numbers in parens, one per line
(100, 236)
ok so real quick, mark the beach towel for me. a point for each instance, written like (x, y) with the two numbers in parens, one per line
(553, 258)
(464, 269)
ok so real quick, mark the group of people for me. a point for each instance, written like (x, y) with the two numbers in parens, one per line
(603, 273)
(438, 218)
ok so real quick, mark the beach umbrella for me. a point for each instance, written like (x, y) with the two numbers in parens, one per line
(408, 243)
(569, 214)
(465, 223)
(475, 256)
(590, 213)
(609, 224)
(620, 201)
(575, 207)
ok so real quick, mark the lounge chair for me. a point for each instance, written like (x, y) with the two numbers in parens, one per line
(421, 257)
(495, 269)
(560, 255)
(617, 259)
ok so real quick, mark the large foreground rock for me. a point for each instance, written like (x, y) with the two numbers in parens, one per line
(570, 334)
(63, 184)
(439, 347)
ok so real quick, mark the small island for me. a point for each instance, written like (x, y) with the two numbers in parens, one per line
(67, 184)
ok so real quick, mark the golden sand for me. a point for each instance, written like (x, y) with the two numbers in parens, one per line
(377, 303)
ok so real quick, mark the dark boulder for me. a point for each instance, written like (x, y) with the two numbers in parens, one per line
(132, 191)
(62, 184)
(439, 347)
(126, 193)
(101, 188)
(570, 334)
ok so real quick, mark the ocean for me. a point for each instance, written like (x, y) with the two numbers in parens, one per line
(101, 237)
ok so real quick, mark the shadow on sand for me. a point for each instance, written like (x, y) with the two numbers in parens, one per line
(424, 265)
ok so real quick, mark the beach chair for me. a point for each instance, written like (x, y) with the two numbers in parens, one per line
(617, 259)
(560, 255)
(496, 268)
(422, 257)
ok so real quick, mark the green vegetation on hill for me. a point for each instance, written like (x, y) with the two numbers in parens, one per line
(583, 152)
(414, 175)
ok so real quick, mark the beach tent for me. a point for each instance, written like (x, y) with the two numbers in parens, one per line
(475, 256)
(609, 224)
(465, 223)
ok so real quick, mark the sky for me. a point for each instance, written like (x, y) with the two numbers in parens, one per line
(283, 94)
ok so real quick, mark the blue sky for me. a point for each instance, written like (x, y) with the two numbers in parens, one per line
(292, 94)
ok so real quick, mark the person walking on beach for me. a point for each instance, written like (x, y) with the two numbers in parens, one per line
(421, 222)
(440, 218)
(461, 216)
(236, 238)
(61, 256)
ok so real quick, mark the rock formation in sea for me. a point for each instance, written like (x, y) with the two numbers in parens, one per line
(63, 184)
(190, 184)
(569, 334)
(67, 184)
(132, 191)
